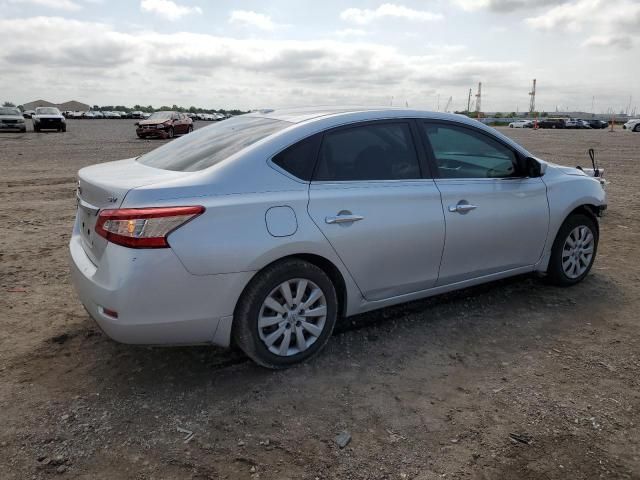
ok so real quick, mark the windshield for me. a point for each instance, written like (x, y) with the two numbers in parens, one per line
(9, 111)
(210, 145)
(47, 111)
(161, 116)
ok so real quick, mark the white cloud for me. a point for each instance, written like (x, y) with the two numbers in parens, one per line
(168, 9)
(350, 32)
(610, 23)
(363, 16)
(247, 72)
(252, 19)
(503, 5)
(67, 5)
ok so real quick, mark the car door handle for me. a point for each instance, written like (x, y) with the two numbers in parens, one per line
(462, 208)
(343, 219)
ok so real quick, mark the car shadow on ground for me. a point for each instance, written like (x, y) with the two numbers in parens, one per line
(103, 364)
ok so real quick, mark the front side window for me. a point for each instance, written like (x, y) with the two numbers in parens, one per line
(377, 151)
(464, 153)
(210, 145)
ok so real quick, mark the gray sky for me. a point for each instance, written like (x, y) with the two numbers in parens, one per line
(251, 54)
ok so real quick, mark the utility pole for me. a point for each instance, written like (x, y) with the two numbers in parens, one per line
(532, 101)
(479, 97)
(469, 102)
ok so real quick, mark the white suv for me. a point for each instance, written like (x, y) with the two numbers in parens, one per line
(632, 125)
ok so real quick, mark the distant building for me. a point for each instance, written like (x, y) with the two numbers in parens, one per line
(71, 105)
(38, 103)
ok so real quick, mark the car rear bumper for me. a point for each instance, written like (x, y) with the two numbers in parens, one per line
(157, 301)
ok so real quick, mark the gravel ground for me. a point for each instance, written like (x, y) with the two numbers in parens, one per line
(514, 379)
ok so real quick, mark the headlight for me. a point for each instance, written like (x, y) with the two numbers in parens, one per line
(160, 126)
(20, 120)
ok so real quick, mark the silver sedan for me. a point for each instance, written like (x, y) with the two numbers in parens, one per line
(267, 228)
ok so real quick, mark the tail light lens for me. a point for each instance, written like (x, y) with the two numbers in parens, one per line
(143, 227)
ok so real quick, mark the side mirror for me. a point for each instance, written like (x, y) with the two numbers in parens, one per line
(533, 168)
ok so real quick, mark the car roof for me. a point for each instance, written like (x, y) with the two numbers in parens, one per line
(306, 114)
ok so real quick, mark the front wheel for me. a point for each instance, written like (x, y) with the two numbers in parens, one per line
(636, 128)
(171, 132)
(286, 314)
(574, 251)
(190, 129)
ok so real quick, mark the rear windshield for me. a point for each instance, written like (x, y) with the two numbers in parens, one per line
(210, 145)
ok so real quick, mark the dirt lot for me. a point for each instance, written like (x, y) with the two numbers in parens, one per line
(431, 389)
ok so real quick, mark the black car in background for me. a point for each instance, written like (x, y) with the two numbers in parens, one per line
(552, 123)
(593, 123)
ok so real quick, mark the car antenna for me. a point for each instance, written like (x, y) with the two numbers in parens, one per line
(592, 156)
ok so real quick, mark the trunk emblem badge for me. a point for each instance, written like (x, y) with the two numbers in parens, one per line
(112, 199)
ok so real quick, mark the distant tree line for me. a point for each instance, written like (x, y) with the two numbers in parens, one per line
(151, 109)
(503, 114)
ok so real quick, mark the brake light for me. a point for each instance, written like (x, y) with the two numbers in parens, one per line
(143, 227)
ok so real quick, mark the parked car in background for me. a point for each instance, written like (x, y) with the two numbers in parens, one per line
(521, 124)
(576, 123)
(48, 118)
(164, 125)
(89, 114)
(77, 114)
(552, 123)
(28, 113)
(111, 114)
(593, 123)
(11, 119)
(137, 114)
(268, 227)
(124, 114)
(632, 125)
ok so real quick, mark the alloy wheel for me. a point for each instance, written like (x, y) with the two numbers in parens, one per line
(577, 252)
(292, 317)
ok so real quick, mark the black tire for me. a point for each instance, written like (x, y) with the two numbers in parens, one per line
(171, 133)
(64, 128)
(555, 272)
(190, 129)
(637, 128)
(245, 323)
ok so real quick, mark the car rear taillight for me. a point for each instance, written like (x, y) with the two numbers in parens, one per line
(143, 227)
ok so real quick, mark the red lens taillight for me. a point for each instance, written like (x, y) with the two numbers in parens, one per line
(143, 227)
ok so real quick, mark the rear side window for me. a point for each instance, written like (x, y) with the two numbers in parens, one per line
(299, 159)
(378, 151)
(212, 144)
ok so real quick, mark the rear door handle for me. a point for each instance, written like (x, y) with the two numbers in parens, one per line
(343, 219)
(462, 208)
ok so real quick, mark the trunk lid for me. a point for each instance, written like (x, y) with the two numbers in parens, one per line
(104, 186)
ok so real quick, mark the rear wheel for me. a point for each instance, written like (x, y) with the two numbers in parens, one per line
(637, 128)
(286, 314)
(190, 129)
(574, 250)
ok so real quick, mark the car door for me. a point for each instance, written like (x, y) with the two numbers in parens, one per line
(178, 127)
(496, 217)
(383, 219)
